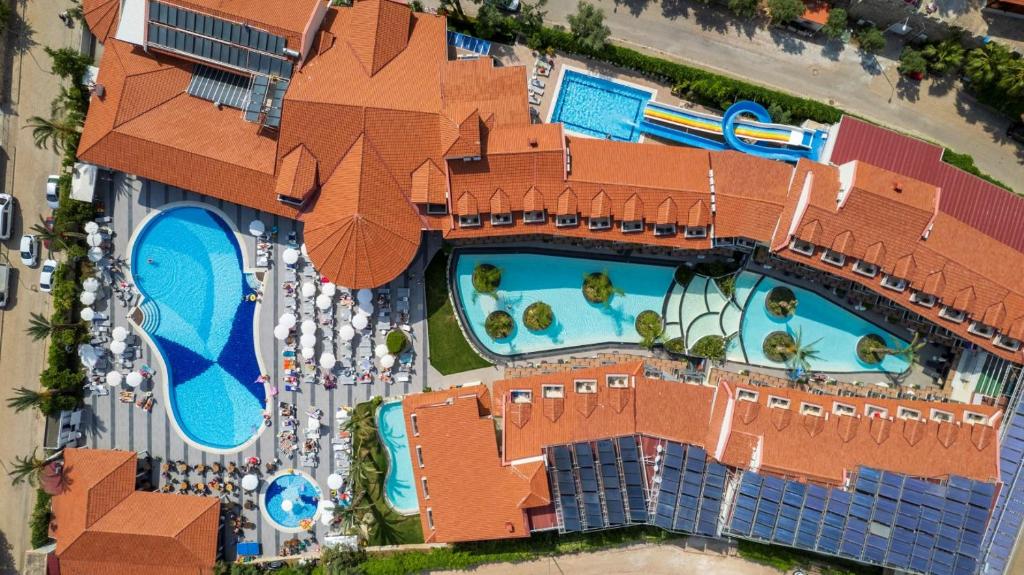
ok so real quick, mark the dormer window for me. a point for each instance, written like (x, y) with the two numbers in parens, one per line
(907, 413)
(602, 223)
(553, 391)
(924, 299)
(696, 231)
(1007, 342)
(894, 283)
(978, 328)
(633, 226)
(810, 409)
(780, 402)
(952, 314)
(940, 416)
(586, 385)
(522, 396)
(566, 221)
(472, 221)
(875, 411)
(843, 409)
(437, 209)
(535, 217)
(617, 381)
(865, 269)
(833, 257)
(503, 219)
(746, 395)
(291, 201)
(972, 418)
(665, 229)
(801, 247)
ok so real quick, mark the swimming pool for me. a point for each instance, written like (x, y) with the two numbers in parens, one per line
(289, 498)
(187, 263)
(556, 280)
(399, 484)
(593, 106)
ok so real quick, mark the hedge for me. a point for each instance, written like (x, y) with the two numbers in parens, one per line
(39, 524)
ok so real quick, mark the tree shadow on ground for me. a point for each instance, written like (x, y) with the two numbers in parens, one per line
(908, 89)
(870, 64)
(832, 49)
(8, 566)
(941, 85)
(93, 425)
(787, 42)
(635, 7)
(21, 37)
(993, 122)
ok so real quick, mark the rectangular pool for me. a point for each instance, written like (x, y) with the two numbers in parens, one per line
(598, 107)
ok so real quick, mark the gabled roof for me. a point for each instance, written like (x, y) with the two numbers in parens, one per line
(533, 200)
(429, 185)
(297, 174)
(633, 209)
(102, 17)
(380, 31)
(567, 203)
(668, 212)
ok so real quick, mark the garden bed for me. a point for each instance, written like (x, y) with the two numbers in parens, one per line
(778, 346)
(538, 316)
(870, 349)
(780, 302)
(499, 324)
(598, 288)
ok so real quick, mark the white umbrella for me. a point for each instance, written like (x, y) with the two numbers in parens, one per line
(308, 340)
(329, 289)
(364, 295)
(286, 505)
(326, 512)
(94, 240)
(327, 360)
(365, 308)
(381, 350)
(91, 227)
(91, 285)
(257, 227)
(335, 481)
(119, 333)
(387, 361)
(281, 332)
(303, 250)
(118, 347)
(308, 326)
(250, 482)
(323, 301)
(288, 320)
(134, 379)
(88, 354)
(359, 321)
(290, 256)
(87, 298)
(308, 289)
(88, 313)
(308, 353)
(114, 378)
(95, 254)
(346, 332)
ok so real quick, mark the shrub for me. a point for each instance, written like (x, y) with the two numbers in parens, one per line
(675, 345)
(778, 346)
(780, 302)
(744, 8)
(486, 278)
(871, 349)
(782, 11)
(912, 62)
(588, 26)
(650, 327)
(68, 63)
(710, 346)
(538, 316)
(835, 26)
(598, 288)
(871, 40)
(396, 341)
(39, 523)
(726, 284)
(944, 57)
(499, 324)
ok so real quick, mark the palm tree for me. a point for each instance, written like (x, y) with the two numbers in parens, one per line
(944, 57)
(1012, 77)
(55, 133)
(801, 354)
(40, 326)
(49, 235)
(983, 64)
(25, 468)
(908, 352)
(25, 398)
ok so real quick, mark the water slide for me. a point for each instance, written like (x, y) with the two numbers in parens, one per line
(735, 130)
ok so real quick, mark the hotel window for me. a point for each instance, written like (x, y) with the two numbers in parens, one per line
(907, 413)
(535, 217)
(925, 299)
(633, 226)
(426, 492)
(437, 209)
(723, 242)
(745, 243)
(810, 409)
(503, 219)
(617, 381)
(940, 416)
(746, 395)
(894, 283)
(522, 396)
(978, 328)
(664, 229)
(952, 314)
(696, 231)
(566, 221)
(430, 518)
(586, 386)
(972, 417)
(875, 411)
(415, 425)
(843, 409)
(1007, 342)
(833, 257)
(469, 221)
(553, 391)
(780, 402)
(289, 200)
(419, 455)
(865, 269)
(801, 247)
(599, 223)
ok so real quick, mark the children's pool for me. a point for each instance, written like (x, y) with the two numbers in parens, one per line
(290, 498)
(399, 484)
(599, 107)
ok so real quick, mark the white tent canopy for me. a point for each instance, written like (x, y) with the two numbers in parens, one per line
(308, 340)
(91, 285)
(250, 482)
(387, 361)
(95, 254)
(88, 314)
(364, 295)
(91, 227)
(83, 183)
(257, 227)
(114, 378)
(327, 360)
(87, 298)
(381, 350)
(94, 240)
(364, 308)
(346, 332)
(88, 354)
(118, 347)
(281, 332)
(119, 333)
(359, 321)
(335, 481)
(308, 353)
(290, 256)
(288, 320)
(308, 289)
(323, 302)
(134, 379)
(308, 326)
(329, 289)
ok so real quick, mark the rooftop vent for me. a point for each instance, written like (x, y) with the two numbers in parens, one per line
(532, 142)
(897, 186)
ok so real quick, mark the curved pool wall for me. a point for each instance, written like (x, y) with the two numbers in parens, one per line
(399, 483)
(187, 263)
(296, 486)
(529, 276)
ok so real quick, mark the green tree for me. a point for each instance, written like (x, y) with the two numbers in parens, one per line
(40, 326)
(491, 22)
(835, 26)
(782, 11)
(25, 398)
(912, 62)
(588, 26)
(871, 40)
(801, 354)
(908, 352)
(984, 64)
(1011, 77)
(531, 17)
(453, 7)
(416, 6)
(25, 468)
(67, 63)
(58, 133)
(944, 57)
(342, 560)
(5, 15)
(744, 8)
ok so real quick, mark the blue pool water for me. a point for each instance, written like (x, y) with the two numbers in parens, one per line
(557, 281)
(193, 292)
(600, 108)
(304, 495)
(399, 484)
(835, 330)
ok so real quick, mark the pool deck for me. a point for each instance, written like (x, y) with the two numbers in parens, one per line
(109, 424)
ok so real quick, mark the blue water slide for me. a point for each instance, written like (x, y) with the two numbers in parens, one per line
(756, 110)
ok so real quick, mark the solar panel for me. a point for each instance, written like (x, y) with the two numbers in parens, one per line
(563, 462)
(216, 85)
(627, 449)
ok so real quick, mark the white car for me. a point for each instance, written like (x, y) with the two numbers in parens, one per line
(29, 249)
(52, 197)
(46, 276)
(6, 215)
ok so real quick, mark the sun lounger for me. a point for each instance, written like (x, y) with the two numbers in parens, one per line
(537, 82)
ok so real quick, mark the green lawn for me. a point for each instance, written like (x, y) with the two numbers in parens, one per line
(449, 350)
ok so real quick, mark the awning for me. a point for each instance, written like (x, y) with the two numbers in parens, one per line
(83, 182)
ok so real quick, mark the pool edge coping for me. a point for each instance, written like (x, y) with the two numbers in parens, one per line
(558, 91)
(264, 484)
(387, 453)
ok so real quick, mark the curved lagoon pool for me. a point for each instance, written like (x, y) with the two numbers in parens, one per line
(557, 281)
(399, 484)
(290, 498)
(187, 263)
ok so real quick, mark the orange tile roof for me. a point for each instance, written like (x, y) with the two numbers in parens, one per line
(102, 17)
(297, 174)
(429, 184)
(815, 11)
(102, 525)
(379, 32)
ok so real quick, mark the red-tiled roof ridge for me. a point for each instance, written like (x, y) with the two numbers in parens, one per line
(470, 139)
(567, 202)
(585, 403)
(697, 216)
(102, 17)
(781, 418)
(947, 433)
(429, 184)
(466, 205)
(533, 200)
(601, 205)
(539, 494)
(385, 28)
(518, 413)
(668, 212)
(500, 203)
(297, 174)
(633, 209)
(554, 407)
(102, 480)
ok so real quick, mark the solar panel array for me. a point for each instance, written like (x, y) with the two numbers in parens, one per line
(236, 45)
(689, 491)
(888, 519)
(1008, 514)
(217, 85)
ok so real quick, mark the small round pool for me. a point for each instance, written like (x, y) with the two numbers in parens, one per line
(289, 498)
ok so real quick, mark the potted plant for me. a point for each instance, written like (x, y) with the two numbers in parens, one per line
(538, 316)
(499, 324)
(486, 278)
(780, 302)
(650, 327)
(598, 288)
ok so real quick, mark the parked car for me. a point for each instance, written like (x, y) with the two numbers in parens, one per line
(5, 282)
(29, 249)
(48, 224)
(46, 276)
(508, 5)
(6, 216)
(52, 197)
